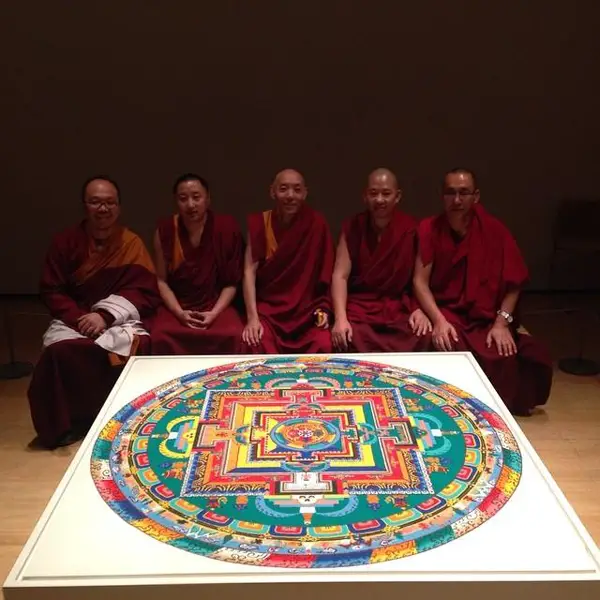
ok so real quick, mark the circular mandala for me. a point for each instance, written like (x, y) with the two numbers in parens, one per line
(306, 462)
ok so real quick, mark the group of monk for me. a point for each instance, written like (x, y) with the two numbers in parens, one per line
(450, 282)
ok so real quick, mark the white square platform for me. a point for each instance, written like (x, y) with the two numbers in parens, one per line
(80, 549)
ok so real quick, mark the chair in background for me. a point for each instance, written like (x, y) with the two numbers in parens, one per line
(580, 365)
(575, 260)
(575, 267)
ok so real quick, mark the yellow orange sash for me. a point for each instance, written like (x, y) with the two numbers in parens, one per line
(123, 248)
(178, 257)
(271, 242)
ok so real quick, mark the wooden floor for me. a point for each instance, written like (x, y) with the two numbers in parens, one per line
(566, 434)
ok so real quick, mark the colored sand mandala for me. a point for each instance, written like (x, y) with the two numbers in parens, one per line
(306, 462)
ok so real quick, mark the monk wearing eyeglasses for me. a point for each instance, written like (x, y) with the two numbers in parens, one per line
(99, 286)
(469, 274)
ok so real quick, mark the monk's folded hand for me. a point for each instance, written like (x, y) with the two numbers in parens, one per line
(501, 336)
(443, 335)
(91, 325)
(190, 318)
(205, 318)
(341, 334)
(253, 332)
(420, 323)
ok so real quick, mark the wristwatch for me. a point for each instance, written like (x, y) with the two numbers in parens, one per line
(506, 315)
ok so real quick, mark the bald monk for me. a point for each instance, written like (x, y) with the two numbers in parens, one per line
(372, 279)
(199, 261)
(468, 277)
(98, 284)
(287, 274)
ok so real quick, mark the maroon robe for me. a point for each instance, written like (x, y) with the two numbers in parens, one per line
(379, 287)
(469, 279)
(197, 276)
(293, 279)
(73, 378)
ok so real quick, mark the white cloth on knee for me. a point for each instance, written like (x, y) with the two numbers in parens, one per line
(118, 338)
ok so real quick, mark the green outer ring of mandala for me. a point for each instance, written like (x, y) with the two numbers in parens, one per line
(120, 457)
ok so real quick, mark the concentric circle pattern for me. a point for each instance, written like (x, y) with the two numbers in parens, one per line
(316, 462)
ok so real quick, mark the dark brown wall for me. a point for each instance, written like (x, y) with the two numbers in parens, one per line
(238, 90)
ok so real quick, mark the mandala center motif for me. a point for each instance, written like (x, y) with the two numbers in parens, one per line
(305, 434)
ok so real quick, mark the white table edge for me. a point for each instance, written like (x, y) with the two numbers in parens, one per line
(15, 579)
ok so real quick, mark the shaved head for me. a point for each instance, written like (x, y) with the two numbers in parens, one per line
(289, 192)
(382, 175)
(288, 174)
(382, 195)
(467, 173)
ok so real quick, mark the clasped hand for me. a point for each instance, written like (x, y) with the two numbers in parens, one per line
(197, 319)
(91, 325)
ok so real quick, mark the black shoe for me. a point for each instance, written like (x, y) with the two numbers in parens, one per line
(69, 438)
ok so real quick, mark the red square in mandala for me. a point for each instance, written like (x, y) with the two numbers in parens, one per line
(366, 525)
(471, 441)
(147, 429)
(141, 460)
(287, 530)
(451, 412)
(430, 505)
(163, 491)
(466, 473)
(215, 518)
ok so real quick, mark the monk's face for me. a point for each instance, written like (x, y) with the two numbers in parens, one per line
(102, 205)
(460, 194)
(289, 192)
(382, 195)
(192, 201)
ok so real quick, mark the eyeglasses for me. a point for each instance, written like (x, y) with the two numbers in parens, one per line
(459, 193)
(110, 204)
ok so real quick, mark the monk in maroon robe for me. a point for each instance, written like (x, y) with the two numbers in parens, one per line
(99, 285)
(372, 279)
(468, 277)
(199, 260)
(287, 274)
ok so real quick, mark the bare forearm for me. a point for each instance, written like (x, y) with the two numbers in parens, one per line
(224, 300)
(427, 301)
(339, 293)
(249, 287)
(169, 298)
(508, 304)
